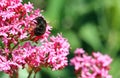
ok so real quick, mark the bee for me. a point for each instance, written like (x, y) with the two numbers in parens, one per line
(40, 26)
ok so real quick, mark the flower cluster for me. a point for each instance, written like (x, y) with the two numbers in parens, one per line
(17, 33)
(95, 66)
(51, 53)
(57, 50)
(17, 21)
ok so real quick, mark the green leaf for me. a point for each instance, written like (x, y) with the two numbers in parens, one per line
(73, 39)
(53, 12)
(90, 35)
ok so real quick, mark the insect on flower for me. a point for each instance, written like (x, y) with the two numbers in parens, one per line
(41, 26)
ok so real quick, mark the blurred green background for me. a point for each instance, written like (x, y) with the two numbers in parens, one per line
(93, 25)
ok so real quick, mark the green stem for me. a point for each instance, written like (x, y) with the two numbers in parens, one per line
(18, 43)
(15, 46)
(30, 73)
(35, 75)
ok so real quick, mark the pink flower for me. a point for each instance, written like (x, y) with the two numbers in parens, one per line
(51, 53)
(57, 50)
(17, 26)
(17, 21)
(104, 59)
(28, 7)
(7, 65)
(27, 54)
(79, 51)
(93, 66)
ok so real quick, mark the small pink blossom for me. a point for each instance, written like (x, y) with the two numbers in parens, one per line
(79, 51)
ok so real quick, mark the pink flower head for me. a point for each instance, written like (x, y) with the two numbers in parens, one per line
(18, 27)
(57, 50)
(28, 54)
(17, 21)
(104, 59)
(7, 65)
(51, 53)
(95, 66)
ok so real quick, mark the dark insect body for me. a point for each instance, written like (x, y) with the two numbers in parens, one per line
(40, 26)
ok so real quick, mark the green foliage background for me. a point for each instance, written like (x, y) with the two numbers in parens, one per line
(90, 24)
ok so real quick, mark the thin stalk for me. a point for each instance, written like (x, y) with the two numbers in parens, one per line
(30, 73)
(15, 46)
(35, 75)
